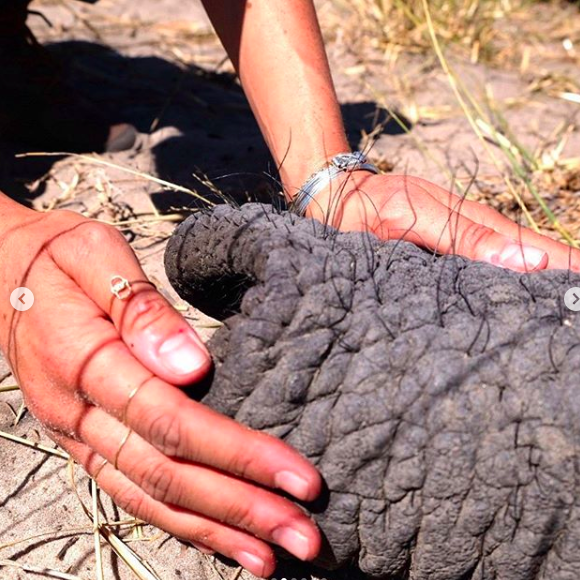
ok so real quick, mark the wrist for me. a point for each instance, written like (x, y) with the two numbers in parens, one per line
(329, 204)
(296, 170)
(325, 187)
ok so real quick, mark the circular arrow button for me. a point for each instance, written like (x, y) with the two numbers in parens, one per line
(572, 299)
(22, 299)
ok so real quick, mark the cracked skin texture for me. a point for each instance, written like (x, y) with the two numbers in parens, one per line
(439, 397)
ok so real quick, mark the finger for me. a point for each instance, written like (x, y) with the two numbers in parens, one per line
(180, 427)
(561, 256)
(203, 548)
(478, 242)
(196, 488)
(158, 336)
(223, 498)
(251, 553)
(423, 220)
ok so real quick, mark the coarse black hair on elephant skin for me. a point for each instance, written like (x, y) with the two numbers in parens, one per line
(439, 397)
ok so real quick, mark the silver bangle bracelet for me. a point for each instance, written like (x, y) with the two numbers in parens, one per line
(342, 163)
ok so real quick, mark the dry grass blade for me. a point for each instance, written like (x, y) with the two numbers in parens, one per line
(103, 162)
(9, 388)
(53, 533)
(37, 446)
(37, 570)
(141, 569)
(138, 566)
(572, 97)
(496, 137)
(20, 413)
(207, 326)
(96, 531)
(174, 217)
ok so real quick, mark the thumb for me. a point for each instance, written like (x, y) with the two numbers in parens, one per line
(160, 338)
(482, 243)
(456, 234)
(97, 257)
(517, 256)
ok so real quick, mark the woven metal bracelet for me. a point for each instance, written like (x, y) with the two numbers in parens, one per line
(342, 163)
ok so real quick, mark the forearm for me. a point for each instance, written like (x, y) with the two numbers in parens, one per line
(277, 49)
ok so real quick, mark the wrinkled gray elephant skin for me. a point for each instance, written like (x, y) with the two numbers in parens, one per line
(439, 397)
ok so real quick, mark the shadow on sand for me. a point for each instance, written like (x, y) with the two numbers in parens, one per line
(209, 127)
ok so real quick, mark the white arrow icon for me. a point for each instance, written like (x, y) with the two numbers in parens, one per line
(22, 299)
(572, 299)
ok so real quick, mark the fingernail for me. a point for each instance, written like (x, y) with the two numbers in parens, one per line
(251, 562)
(519, 257)
(291, 539)
(183, 353)
(292, 483)
(202, 548)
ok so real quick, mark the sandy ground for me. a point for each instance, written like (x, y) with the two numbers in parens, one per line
(167, 74)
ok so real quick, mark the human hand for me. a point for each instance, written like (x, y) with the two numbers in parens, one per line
(94, 368)
(413, 209)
